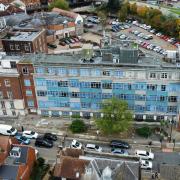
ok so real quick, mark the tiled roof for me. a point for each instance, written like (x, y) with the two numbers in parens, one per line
(11, 10)
(70, 168)
(65, 13)
(72, 152)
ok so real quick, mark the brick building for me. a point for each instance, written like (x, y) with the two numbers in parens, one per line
(26, 70)
(11, 99)
(19, 41)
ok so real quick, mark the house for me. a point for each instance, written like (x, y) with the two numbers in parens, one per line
(78, 20)
(11, 97)
(69, 166)
(17, 161)
(11, 10)
(82, 165)
(21, 41)
(3, 6)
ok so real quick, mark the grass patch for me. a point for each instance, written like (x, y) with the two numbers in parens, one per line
(176, 11)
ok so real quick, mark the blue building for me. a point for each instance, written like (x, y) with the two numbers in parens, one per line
(69, 84)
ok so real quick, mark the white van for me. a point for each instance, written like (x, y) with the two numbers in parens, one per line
(7, 130)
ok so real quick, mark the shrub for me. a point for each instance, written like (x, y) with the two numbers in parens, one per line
(144, 131)
(78, 126)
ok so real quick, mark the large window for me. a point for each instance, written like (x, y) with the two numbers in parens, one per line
(27, 82)
(30, 103)
(28, 93)
(63, 83)
(84, 72)
(13, 64)
(106, 73)
(3, 104)
(163, 87)
(61, 71)
(152, 75)
(172, 98)
(40, 82)
(40, 70)
(41, 93)
(11, 104)
(73, 72)
(25, 70)
(164, 75)
(9, 94)
(95, 72)
(74, 83)
(107, 85)
(152, 87)
(7, 82)
(96, 85)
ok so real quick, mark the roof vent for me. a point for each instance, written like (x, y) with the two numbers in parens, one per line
(15, 152)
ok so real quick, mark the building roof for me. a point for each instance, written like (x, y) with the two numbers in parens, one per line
(8, 172)
(11, 10)
(72, 152)
(70, 168)
(65, 13)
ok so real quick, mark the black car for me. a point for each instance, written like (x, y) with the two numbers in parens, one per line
(119, 144)
(50, 136)
(41, 142)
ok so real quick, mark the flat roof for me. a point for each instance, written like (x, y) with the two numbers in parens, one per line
(77, 60)
(21, 35)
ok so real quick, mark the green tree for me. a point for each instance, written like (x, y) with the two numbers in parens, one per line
(78, 126)
(144, 131)
(123, 12)
(103, 18)
(113, 5)
(61, 4)
(116, 117)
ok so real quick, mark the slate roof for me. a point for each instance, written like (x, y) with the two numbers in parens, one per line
(8, 172)
(69, 167)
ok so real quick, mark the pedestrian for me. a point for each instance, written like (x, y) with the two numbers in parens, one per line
(153, 176)
(156, 175)
(22, 128)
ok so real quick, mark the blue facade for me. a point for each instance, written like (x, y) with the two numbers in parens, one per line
(83, 89)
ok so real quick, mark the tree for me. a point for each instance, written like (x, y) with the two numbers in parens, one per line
(103, 18)
(133, 8)
(77, 126)
(123, 12)
(144, 131)
(113, 5)
(116, 117)
(62, 4)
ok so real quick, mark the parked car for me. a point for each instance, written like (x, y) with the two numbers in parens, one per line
(41, 142)
(22, 139)
(93, 147)
(52, 46)
(30, 134)
(62, 43)
(146, 164)
(50, 136)
(7, 130)
(75, 144)
(119, 151)
(144, 154)
(119, 144)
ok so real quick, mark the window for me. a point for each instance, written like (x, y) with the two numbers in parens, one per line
(162, 98)
(63, 94)
(84, 72)
(73, 72)
(25, 70)
(164, 75)
(172, 109)
(7, 82)
(28, 93)
(13, 113)
(74, 83)
(75, 95)
(163, 87)
(95, 72)
(13, 64)
(172, 98)
(151, 87)
(26, 47)
(119, 73)
(4, 113)
(27, 82)
(107, 85)
(9, 94)
(1, 94)
(96, 85)
(12, 104)
(17, 47)
(11, 47)
(30, 103)
(63, 83)
(3, 104)
(152, 75)
(41, 93)
(106, 73)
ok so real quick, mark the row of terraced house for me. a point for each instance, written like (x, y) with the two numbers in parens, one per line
(65, 85)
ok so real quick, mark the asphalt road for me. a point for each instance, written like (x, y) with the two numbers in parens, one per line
(160, 157)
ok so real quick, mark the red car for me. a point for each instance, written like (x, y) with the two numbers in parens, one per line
(145, 46)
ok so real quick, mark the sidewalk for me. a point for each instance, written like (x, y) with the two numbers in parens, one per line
(59, 127)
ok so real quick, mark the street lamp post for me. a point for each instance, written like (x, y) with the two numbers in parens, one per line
(174, 141)
(171, 122)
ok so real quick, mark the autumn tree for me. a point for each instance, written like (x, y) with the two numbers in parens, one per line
(116, 116)
(61, 4)
(113, 5)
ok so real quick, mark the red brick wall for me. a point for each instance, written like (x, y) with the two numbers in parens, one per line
(15, 87)
(31, 87)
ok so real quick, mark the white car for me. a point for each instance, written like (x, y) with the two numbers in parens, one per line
(75, 144)
(144, 154)
(146, 164)
(93, 147)
(30, 134)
